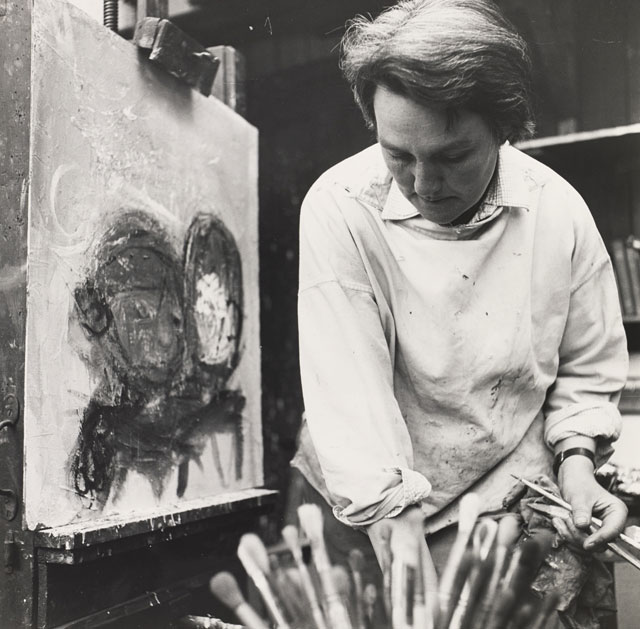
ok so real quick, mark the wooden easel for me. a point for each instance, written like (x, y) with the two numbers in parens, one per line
(111, 569)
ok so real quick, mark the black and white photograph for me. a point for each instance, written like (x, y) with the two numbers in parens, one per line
(320, 314)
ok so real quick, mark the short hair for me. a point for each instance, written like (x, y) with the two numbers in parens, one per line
(461, 54)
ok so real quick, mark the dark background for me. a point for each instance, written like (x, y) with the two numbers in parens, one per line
(586, 56)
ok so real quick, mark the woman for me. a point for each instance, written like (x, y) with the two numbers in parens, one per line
(459, 321)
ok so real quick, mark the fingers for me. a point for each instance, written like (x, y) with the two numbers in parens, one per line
(582, 510)
(614, 518)
(568, 532)
(587, 498)
(380, 536)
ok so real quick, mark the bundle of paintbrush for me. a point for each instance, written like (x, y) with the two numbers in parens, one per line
(485, 584)
(298, 585)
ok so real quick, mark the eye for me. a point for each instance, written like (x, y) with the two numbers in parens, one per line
(399, 156)
(455, 157)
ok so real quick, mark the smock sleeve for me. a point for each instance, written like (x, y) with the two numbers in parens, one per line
(593, 358)
(346, 363)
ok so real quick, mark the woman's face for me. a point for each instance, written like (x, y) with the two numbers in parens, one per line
(442, 166)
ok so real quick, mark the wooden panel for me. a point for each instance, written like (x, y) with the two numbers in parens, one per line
(142, 359)
(16, 582)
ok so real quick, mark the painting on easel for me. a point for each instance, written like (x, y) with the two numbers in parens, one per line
(142, 361)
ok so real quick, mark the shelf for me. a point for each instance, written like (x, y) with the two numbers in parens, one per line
(581, 136)
(73, 543)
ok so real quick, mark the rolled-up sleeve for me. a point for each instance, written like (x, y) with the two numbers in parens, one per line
(593, 358)
(346, 361)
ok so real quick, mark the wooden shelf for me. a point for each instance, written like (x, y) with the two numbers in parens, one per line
(74, 543)
(581, 136)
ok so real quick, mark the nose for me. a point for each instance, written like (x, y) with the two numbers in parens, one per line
(427, 180)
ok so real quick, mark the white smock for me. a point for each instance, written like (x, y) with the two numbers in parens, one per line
(440, 360)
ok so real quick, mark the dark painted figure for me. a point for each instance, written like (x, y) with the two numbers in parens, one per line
(165, 336)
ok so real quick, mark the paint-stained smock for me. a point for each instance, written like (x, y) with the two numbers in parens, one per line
(437, 360)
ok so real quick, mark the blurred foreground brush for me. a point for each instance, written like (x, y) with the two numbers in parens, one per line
(311, 522)
(254, 558)
(292, 540)
(225, 588)
(486, 582)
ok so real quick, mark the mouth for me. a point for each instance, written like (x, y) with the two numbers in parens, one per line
(433, 199)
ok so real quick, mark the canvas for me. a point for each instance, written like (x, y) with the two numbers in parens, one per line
(142, 351)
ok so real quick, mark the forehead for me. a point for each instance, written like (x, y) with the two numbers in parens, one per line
(404, 124)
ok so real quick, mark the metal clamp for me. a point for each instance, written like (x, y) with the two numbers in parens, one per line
(9, 508)
(10, 411)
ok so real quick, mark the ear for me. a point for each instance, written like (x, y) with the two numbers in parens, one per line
(92, 310)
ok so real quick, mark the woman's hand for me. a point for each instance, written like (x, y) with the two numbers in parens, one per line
(588, 498)
(402, 538)
(404, 531)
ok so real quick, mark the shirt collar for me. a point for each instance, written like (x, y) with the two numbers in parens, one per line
(508, 188)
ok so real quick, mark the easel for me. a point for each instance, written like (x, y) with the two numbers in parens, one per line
(107, 571)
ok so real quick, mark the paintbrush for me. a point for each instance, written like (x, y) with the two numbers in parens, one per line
(342, 581)
(369, 600)
(312, 524)
(483, 538)
(522, 570)
(254, 558)
(403, 588)
(426, 601)
(292, 540)
(468, 514)
(405, 557)
(356, 563)
(225, 588)
(289, 595)
(595, 524)
(464, 567)
(506, 536)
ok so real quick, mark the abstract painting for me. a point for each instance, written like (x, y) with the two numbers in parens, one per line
(142, 360)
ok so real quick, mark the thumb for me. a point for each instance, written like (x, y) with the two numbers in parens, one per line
(582, 513)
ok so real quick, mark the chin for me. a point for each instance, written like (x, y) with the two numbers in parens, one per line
(440, 212)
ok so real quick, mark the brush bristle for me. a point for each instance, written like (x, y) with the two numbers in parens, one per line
(225, 588)
(508, 530)
(341, 580)
(291, 538)
(311, 522)
(356, 560)
(252, 548)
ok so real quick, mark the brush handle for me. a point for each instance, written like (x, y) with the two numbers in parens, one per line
(336, 611)
(248, 617)
(449, 598)
(267, 595)
(403, 587)
(357, 588)
(502, 607)
(310, 590)
(428, 581)
(487, 600)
